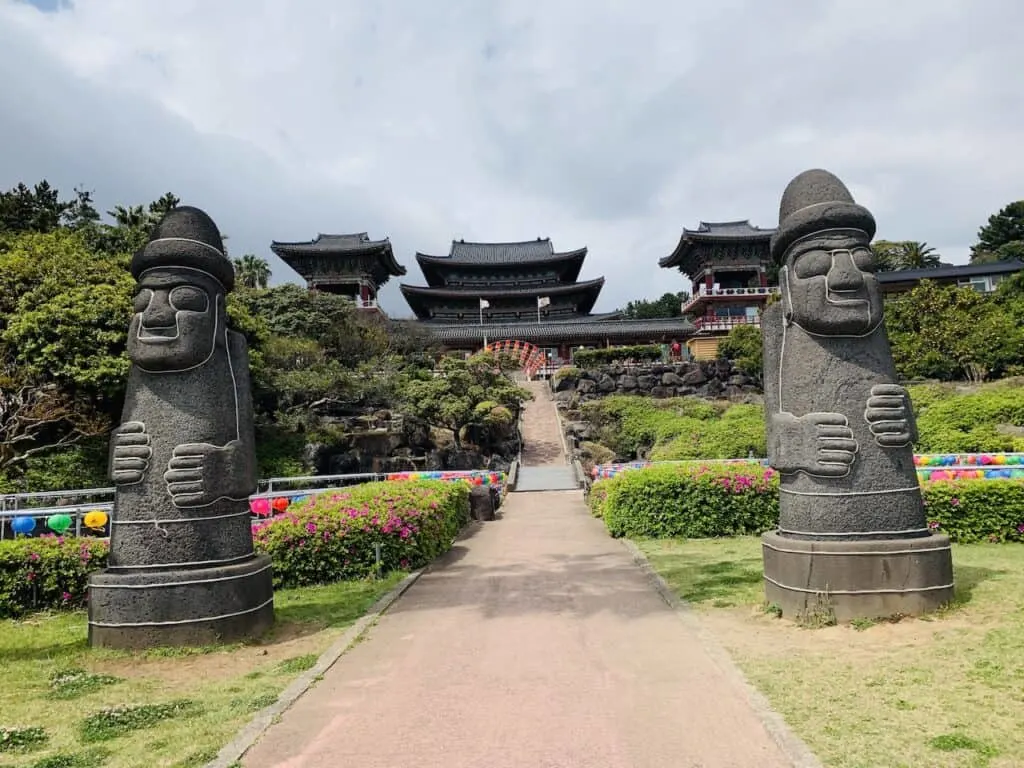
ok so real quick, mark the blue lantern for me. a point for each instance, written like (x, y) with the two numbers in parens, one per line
(23, 525)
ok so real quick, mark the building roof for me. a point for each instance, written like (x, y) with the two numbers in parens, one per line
(532, 254)
(568, 331)
(422, 298)
(950, 272)
(340, 246)
(711, 232)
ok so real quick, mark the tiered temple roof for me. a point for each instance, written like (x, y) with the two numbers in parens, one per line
(336, 262)
(508, 277)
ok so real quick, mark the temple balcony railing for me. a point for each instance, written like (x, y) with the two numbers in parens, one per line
(704, 292)
(366, 303)
(725, 322)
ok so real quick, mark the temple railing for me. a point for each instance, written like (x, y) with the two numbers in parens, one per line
(734, 293)
(724, 322)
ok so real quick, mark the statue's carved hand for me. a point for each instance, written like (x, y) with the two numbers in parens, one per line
(130, 453)
(827, 438)
(199, 474)
(888, 415)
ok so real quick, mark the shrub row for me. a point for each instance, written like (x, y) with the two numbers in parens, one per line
(330, 537)
(588, 358)
(689, 501)
(333, 536)
(695, 501)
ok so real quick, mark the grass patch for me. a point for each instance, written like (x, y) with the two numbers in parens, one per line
(947, 690)
(134, 703)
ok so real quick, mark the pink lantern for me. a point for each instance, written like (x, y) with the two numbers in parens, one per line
(260, 506)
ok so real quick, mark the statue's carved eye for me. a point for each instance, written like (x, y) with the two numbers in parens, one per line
(864, 259)
(142, 299)
(812, 264)
(190, 299)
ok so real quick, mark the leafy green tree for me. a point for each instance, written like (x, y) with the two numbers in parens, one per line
(40, 209)
(1002, 238)
(743, 347)
(463, 393)
(945, 332)
(251, 271)
(669, 305)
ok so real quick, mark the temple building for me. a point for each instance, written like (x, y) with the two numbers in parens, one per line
(349, 265)
(729, 265)
(487, 292)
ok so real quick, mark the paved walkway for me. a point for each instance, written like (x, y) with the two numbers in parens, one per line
(542, 443)
(535, 643)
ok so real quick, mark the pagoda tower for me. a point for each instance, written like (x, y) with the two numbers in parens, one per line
(728, 265)
(348, 265)
(518, 282)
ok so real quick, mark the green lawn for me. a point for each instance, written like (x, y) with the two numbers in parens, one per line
(197, 698)
(942, 691)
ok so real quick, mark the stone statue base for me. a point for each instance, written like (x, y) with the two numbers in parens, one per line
(858, 579)
(137, 609)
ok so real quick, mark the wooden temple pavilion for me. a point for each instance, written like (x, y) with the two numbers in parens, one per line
(481, 293)
(350, 265)
(728, 264)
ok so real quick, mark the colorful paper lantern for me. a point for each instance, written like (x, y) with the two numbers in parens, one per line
(280, 504)
(95, 519)
(59, 523)
(260, 506)
(23, 525)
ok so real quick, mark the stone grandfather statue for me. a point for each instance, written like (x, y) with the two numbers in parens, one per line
(182, 570)
(852, 526)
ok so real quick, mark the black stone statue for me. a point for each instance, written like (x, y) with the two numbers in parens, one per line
(852, 527)
(182, 570)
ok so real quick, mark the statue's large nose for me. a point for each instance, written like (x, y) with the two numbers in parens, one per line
(159, 313)
(844, 275)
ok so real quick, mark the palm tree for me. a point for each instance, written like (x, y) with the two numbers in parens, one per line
(252, 271)
(916, 255)
(129, 218)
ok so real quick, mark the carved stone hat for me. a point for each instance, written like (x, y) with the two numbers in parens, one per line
(814, 201)
(186, 237)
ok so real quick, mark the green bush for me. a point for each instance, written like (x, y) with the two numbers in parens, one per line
(48, 572)
(332, 536)
(696, 501)
(689, 501)
(954, 422)
(976, 510)
(677, 428)
(588, 358)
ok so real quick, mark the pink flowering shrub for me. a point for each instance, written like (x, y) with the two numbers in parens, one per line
(47, 572)
(976, 510)
(332, 535)
(690, 501)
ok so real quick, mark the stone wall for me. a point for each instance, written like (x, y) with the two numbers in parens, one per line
(715, 379)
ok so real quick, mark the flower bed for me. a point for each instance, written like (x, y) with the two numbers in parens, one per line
(704, 500)
(329, 537)
(334, 535)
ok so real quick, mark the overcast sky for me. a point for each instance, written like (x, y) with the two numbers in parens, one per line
(603, 123)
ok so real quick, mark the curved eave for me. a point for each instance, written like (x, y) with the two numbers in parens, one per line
(379, 248)
(568, 263)
(587, 287)
(571, 331)
(691, 238)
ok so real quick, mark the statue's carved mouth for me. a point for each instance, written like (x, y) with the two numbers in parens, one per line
(158, 334)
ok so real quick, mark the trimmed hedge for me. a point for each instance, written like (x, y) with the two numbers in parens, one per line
(328, 538)
(703, 501)
(688, 501)
(332, 536)
(587, 358)
(48, 572)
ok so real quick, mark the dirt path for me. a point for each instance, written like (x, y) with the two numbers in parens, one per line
(535, 643)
